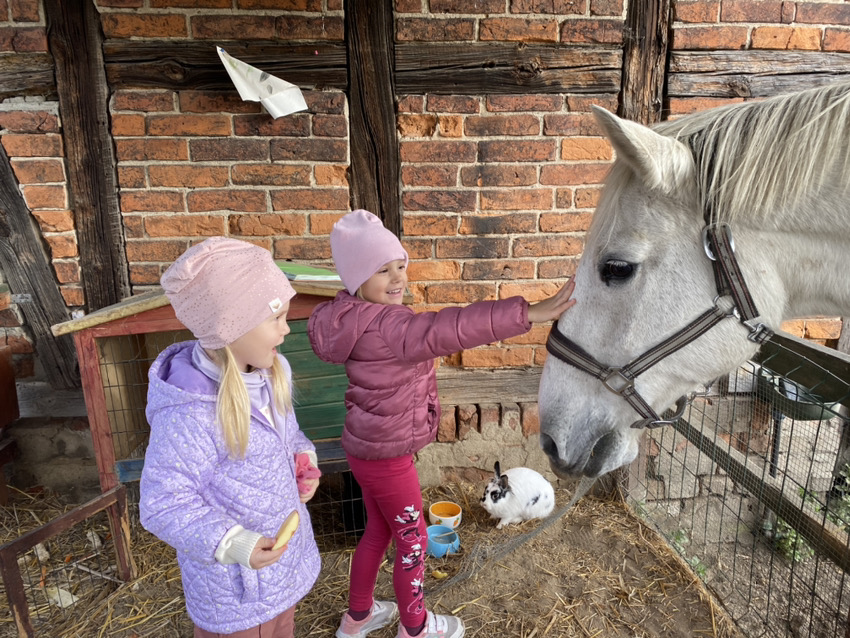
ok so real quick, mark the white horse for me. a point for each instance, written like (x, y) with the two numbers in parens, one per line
(778, 173)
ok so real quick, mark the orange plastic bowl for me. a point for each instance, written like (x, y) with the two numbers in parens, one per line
(445, 513)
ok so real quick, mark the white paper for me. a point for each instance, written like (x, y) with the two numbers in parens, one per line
(278, 96)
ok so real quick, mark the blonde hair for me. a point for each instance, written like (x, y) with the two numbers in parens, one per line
(233, 405)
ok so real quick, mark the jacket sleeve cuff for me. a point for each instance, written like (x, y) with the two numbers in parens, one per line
(314, 460)
(236, 546)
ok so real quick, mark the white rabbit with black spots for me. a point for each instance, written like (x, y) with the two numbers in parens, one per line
(518, 495)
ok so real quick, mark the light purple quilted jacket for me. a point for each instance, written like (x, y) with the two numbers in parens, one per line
(192, 493)
(388, 351)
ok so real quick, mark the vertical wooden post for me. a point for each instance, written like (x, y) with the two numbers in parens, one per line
(645, 44)
(375, 182)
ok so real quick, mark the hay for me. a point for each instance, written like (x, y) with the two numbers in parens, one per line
(598, 572)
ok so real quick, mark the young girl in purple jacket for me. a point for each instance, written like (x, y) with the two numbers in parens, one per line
(227, 463)
(393, 410)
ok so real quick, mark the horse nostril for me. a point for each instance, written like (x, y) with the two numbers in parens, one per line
(549, 446)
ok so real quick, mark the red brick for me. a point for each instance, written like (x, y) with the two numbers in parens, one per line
(424, 175)
(321, 223)
(250, 201)
(516, 150)
(682, 106)
(270, 174)
(451, 125)
(189, 125)
(481, 224)
(191, 4)
(283, 5)
(530, 419)
(499, 125)
(821, 13)
(823, 328)
(9, 317)
(419, 248)
(151, 150)
(751, 11)
(29, 122)
(467, 6)
(24, 10)
(564, 222)
(582, 103)
(408, 6)
(310, 199)
(232, 27)
(559, 7)
(498, 175)
(429, 225)
(23, 39)
(592, 31)
(518, 30)
(132, 177)
(262, 124)
(328, 175)
(585, 148)
(152, 201)
(538, 333)
(187, 175)
(135, 25)
(67, 272)
(144, 101)
(124, 125)
(447, 428)
(535, 103)
(416, 125)
(697, 11)
(302, 248)
(563, 198)
(215, 102)
(710, 38)
(184, 226)
(325, 101)
(588, 197)
(439, 200)
(36, 145)
(433, 29)
(330, 125)
(134, 226)
(553, 246)
(315, 150)
(796, 327)
(573, 174)
(570, 124)
(790, 38)
(54, 221)
(517, 199)
(18, 342)
(433, 270)
(606, 8)
(62, 246)
(410, 104)
(531, 290)
(155, 250)
(453, 104)
(495, 269)
(436, 152)
(39, 171)
(557, 268)
(145, 274)
(448, 293)
(497, 357)
(304, 28)
(836, 40)
(51, 196)
(472, 248)
(240, 150)
(269, 224)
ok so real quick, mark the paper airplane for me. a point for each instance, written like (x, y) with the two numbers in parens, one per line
(278, 96)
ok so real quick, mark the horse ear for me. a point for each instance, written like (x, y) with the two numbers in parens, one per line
(661, 162)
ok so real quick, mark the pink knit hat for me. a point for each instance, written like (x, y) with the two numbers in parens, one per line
(360, 246)
(223, 288)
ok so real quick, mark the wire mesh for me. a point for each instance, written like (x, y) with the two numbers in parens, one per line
(753, 490)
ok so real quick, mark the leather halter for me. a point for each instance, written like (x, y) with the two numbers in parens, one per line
(719, 247)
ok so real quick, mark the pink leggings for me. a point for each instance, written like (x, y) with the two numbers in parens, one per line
(393, 501)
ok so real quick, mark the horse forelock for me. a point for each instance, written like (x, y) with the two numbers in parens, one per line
(753, 159)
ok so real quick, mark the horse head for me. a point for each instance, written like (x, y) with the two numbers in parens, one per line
(644, 274)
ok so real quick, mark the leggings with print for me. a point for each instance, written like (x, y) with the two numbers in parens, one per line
(393, 501)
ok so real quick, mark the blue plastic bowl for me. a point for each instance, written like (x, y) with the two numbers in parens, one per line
(442, 540)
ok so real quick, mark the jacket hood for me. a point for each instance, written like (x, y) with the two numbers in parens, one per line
(335, 327)
(174, 380)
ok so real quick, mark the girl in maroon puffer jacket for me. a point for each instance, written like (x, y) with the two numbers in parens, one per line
(392, 407)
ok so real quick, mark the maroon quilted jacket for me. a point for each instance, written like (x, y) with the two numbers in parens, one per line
(388, 352)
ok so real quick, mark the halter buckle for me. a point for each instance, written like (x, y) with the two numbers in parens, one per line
(706, 244)
(617, 382)
(759, 333)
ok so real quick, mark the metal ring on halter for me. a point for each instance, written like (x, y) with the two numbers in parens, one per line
(733, 309)
(681, 405)
(727, 230)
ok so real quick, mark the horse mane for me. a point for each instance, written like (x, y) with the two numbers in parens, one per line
(757, 157)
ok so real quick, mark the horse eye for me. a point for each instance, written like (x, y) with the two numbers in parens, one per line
(616, 271)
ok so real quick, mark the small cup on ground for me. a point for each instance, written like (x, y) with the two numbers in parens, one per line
(442, 540)
(445, 513)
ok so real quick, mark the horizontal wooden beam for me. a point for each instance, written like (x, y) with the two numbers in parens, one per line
(461, 387)
(27, 74)
(196, 65)
(505, 68)
(752, 74)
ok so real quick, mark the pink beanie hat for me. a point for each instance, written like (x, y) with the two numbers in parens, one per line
(360, 245)
(223, 288)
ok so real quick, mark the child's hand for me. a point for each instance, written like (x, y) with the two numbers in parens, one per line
(263, 554)
(554, 306)
(309, 486)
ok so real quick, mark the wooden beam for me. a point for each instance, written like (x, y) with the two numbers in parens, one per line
(75, 40)
(182, 66)
(27, 74)
(375, 173)
(27, 268)
(480, 68)
(646, 39)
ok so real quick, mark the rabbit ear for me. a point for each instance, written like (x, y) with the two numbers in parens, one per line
(503, 482)
(496, 468)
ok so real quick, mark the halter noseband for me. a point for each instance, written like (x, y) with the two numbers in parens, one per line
(719, 247)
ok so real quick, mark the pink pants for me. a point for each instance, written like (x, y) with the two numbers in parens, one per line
(282, 626)
(393, 501)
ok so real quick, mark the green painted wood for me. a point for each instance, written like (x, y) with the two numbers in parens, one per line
(319, 387)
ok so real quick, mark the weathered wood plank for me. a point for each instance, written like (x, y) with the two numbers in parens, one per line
(646, 39)
(375, 173)
(27, 74)
(505, 68)
(27, 269)
(196, 65)
(39, 400)
(459, 387)
(74, 38)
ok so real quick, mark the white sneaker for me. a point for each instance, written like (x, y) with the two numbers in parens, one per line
(382, 614)
(437, 626)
